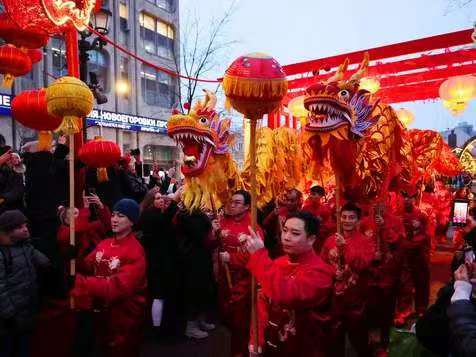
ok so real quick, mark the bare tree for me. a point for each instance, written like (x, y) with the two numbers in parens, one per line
(202, 51)
(454, 5)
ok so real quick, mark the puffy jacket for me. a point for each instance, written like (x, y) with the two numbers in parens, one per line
(11, 189)
(18, 285)
(462, 321)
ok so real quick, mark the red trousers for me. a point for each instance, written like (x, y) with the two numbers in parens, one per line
(237, 317)
(414, 288)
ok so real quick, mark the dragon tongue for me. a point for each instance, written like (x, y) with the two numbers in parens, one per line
(192, 149)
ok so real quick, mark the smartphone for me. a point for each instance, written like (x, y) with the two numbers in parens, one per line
(460, 212)
(91, 191)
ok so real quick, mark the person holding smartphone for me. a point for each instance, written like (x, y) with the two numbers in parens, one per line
(12, 188)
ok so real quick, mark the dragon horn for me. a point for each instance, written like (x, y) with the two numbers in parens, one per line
(339, 75)
(210, 100)
(362, 72)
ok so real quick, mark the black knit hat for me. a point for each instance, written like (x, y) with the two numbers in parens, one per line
(9, 220)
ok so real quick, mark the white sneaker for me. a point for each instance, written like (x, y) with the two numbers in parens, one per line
(193, 331)
(205, 326)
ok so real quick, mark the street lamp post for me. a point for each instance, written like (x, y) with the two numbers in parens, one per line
(100, 22)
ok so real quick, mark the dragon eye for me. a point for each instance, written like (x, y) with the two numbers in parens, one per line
(344, 94)
(203, 121)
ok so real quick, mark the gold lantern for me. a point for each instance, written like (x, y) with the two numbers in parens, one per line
(296, 107)
(370, 84)
(70, 99)
(457, 91)
(405, 116)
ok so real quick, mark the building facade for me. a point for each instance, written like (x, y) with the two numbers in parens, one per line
(457, 136)
(135, 115)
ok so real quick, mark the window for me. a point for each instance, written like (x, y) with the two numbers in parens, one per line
(123, 16)
(99, 64)
(163, 4)
(60, 68)
(157, 87)
(158, 36)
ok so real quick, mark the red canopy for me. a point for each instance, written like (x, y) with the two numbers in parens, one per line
(427, 63)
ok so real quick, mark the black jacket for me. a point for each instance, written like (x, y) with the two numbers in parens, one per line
(11, 189)
(462, 322)
(18, 285)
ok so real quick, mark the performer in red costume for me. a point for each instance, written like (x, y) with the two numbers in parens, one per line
(386, 231)
(415, 250)
(298, 289)
(352, 254)
(236, 292)
(321, 210)
(116, 286)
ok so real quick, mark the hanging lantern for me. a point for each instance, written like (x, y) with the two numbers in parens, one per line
(370, 84)
(50, 16)
(100, 154)
(23, 38)
(254, 85)
(458, 91)
(456, 108)
(405, 116)
(29, 108)
(296, 107)
(35, 55)
(13, 63)
(71, 99)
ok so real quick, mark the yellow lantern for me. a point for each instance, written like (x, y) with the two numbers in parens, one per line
(405, 116)
(456, 108)
(370, 84)
(296, 107)
(457, 92)
(71, 99)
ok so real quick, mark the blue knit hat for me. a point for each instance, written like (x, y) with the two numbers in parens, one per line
(128, 208)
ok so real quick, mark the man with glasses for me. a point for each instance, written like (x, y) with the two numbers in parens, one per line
(235, 285)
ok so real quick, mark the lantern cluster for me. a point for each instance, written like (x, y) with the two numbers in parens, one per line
(21, 51)
(457, 92)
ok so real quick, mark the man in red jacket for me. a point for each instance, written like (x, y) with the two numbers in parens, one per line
(352, 254)
(321, 210)
(236, 292)
(386, 231)
(415, 250)
(297, 289)
(116, 285)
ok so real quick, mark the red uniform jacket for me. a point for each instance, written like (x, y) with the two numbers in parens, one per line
(327, 223)
(301, 291)
(117, 285)
(88, 234)
(359, 252)
(415, 247)
(386, 272)
(235, 246)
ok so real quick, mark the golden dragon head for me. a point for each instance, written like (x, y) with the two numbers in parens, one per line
(200, 134)
(338, 107)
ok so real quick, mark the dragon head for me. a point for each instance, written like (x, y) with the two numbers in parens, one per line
(200, 133)
(337, 106)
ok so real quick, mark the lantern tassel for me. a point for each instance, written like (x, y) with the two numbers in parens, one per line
(8, 80)
(255, 88)
(44, 140)
(102, 174)
(70, 125)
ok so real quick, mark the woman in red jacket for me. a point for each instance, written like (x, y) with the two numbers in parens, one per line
(115, 285)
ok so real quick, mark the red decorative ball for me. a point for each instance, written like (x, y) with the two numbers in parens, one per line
(255, 85)
(35, 55)
(99, 153)
(13, 61)
(27, 38)
(186, 106)
(29, 108)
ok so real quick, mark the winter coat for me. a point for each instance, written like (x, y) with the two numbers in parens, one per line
(18, 285)
(110, 191)
(11, 189)
(462, 323)
(132, 186)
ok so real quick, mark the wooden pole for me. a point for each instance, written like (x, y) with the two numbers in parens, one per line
(72, 238)
(254, 315)
(340, 251)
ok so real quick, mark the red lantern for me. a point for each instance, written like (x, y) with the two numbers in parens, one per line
(29, 108)
(13, 63)
(35, 55)
(255, 85)
(100, 154)
(27, 38)
(50, 16)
